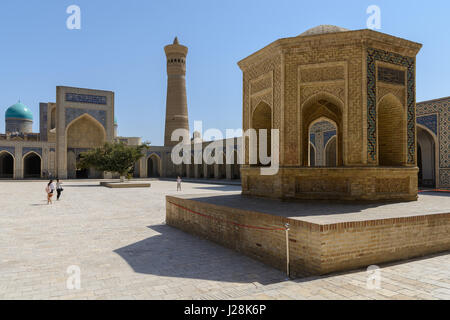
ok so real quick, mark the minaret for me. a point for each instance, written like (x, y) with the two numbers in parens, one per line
(176, 103)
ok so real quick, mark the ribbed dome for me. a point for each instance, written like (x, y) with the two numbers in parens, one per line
(19, 111)
(322, 29)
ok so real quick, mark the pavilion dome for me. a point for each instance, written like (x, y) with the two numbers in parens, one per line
(19, 111)
(322, 29)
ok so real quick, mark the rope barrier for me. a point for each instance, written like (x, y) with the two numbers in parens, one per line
(434, 190)
(227, 221)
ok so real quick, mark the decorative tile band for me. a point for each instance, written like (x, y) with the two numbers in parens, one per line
(429, 121)
(11, 150)
(25, 150)
(85, 98)
(389, 75)
(374, 55)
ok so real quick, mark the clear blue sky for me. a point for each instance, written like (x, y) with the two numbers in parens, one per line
(120, 48)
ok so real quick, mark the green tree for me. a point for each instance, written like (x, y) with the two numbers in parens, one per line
(114, 157)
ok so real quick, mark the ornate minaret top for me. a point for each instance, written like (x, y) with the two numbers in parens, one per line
(176, 103)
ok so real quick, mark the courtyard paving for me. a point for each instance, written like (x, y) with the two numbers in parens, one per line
(118, 240)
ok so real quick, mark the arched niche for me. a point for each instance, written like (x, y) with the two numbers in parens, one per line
(7, 165)
(32, 165)
(391, 132)
(262, 119)
(153, 166)
(85, 132)
(427, 157)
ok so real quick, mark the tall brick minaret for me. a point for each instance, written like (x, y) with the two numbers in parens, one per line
(176, 103)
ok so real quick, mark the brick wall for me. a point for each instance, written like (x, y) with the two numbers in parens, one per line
(314, 248)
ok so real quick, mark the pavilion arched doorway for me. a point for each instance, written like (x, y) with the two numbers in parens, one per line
(322, 115)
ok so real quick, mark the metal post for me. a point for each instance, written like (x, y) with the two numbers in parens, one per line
(287, 249)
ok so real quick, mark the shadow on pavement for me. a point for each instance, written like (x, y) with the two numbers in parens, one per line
(174, 253)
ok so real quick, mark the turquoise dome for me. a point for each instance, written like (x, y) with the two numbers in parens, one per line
(19, 111)
(115, 120)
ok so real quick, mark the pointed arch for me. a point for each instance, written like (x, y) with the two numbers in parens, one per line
(322, 106)
(262, 119)
(427, 157)
(7, 164)
(89, 131)
(153, 165)
(32, 165)
(317, 97)
(330, 152)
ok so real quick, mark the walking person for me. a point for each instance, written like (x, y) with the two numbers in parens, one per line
(59, 189)
(179, 183)
(50, 189)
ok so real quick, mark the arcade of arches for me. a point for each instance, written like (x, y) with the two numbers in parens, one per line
(225, 170)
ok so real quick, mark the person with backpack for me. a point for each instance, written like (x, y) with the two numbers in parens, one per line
(50, 189)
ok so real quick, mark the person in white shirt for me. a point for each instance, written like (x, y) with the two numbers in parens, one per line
(179, 183)
(59, 189)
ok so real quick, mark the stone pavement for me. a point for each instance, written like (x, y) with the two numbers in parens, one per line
(118, 239)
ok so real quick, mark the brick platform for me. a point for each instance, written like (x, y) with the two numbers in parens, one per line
(324, 236)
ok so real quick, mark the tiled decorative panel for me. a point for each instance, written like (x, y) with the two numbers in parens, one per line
(85, 98)
(374, 55)
(9, 149)
(73, 113)
(25, 150)
(429, 121)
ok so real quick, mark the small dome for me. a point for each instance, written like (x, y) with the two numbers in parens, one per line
(115, 120)
(19, 111)
(322, 29)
